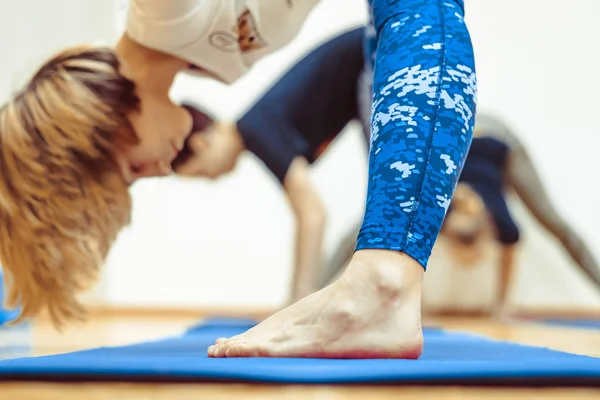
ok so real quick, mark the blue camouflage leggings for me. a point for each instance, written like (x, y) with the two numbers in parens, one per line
(422, 120)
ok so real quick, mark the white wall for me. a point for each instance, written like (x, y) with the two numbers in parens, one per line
(32, 30)
(198, 243)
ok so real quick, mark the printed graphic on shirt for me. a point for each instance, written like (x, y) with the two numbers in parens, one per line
(225, 41)
(244, 36)
(249, 37)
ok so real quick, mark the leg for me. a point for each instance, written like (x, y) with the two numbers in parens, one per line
(523, 177)
(365, 96)
(340, 258)
(507, 263)
(423, 115)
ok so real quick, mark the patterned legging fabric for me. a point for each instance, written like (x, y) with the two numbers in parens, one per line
(422, 119)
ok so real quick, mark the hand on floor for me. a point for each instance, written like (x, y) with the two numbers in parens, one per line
(501, 312)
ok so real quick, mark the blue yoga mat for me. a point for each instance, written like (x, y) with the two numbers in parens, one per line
(593, 324)
(5, 315)
(449, 358)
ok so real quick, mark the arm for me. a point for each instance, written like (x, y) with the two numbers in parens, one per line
(310, 226)
(507, 262)
(341, 257)
(524, 179)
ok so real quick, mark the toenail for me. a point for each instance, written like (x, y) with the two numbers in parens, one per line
(210, 349)
(216, 352)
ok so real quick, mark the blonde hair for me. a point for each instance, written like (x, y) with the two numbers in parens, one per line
(62, 198)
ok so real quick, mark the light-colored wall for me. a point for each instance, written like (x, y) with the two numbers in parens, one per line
(32, 30)
(229, 243)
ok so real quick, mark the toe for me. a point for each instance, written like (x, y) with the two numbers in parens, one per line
(210, 351)
(241, 350)
(221, 349)
(235, 351)
(244, 348)
(218, 351)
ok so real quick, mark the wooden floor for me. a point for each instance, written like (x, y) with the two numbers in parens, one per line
(115, 330)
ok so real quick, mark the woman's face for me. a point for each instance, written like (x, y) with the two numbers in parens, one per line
(162, 129)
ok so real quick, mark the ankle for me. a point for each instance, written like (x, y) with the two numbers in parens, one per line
(387, 272)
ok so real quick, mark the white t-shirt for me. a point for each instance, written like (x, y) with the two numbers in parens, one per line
(225, 37)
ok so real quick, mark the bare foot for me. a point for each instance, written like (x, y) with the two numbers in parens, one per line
(372, 311)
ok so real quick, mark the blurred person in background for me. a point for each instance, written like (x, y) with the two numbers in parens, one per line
(289, 128)
(498, 164)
